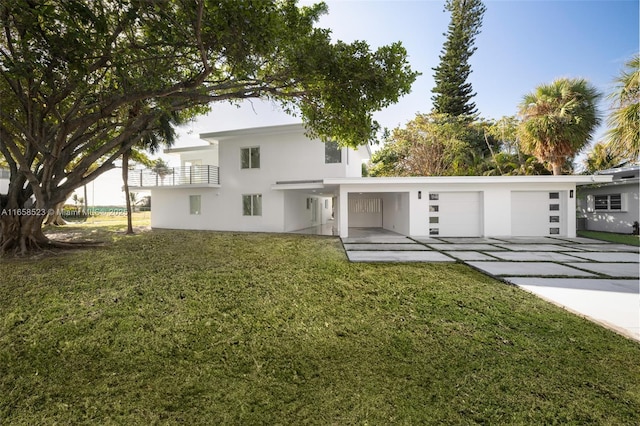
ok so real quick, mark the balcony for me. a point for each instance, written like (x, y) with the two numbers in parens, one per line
(191, 176)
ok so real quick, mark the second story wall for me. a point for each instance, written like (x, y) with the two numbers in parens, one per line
(200, 155)
(282, 153)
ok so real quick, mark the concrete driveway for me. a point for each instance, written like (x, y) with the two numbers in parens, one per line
(595, 279)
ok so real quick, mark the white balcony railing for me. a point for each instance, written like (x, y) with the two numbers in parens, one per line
(175, 176)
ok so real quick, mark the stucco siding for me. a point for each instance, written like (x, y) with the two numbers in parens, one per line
(609, 220)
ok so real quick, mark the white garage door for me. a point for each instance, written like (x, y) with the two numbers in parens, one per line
(537, 213)
(455, 214)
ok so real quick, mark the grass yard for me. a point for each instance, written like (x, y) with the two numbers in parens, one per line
(177, 327)
(631, 240)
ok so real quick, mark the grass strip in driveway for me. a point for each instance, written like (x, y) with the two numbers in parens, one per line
(223, 328)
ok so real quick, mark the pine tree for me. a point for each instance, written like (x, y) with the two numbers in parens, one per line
(452, 93)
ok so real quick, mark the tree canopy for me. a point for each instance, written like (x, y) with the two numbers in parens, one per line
(86, 80)
(601, 157)
(452, 92)
(435, 145)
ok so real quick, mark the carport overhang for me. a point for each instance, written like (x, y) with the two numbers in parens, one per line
(342, 187)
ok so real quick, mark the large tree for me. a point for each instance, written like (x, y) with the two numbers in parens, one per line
(82, 81)
(453, 92)
(558, 120)
(624, 120)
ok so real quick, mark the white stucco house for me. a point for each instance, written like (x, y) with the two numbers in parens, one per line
(275, 179)
(611, 206)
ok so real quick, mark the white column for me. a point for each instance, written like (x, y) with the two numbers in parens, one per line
(571, 212)
(343, 216)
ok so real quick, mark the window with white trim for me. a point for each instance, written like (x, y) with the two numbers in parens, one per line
(195, 204)
(608, 202)
(252, 205)
(250, 158)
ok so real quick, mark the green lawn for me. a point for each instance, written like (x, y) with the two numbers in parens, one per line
(176, 327)
(632, 240)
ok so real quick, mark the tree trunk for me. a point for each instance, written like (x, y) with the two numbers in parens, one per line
(125, 180)
(86, 202)
(556, 166)
(21, 232)
(55, 217)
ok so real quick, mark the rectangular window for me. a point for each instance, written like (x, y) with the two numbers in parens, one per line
(308, 203)
(602, 202)
(434, 209)
(554, 231)
(434, 231)
(608, 202)
(250, 158)
(252, 205)
(195, 204)
(434, 197)
(332, 152)
(615, 202)
(434, 219)
(554, 207)
(554, 195)
(554, 219)
(326, 204)
(365, 205)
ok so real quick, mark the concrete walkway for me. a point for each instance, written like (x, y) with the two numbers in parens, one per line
(595, 279)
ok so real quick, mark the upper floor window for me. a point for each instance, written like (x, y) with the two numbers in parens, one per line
(250, 158)
(608, 202)
(332, 152)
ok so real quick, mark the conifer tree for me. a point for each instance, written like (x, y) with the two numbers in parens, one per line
(453, 93)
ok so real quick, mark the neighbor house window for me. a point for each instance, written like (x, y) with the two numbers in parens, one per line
(252, 205)
(250, 158)
(195, 202)
(332, 152)
(608, 202)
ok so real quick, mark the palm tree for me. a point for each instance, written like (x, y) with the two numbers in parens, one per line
(624, 127)
(162, 134)
(557, 120)
(601, 157)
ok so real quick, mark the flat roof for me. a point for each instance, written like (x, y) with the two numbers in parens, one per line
(266, 130)
(577, 179)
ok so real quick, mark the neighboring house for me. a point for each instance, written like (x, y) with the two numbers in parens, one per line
(4, 180)
(611, 206)
(275, 179)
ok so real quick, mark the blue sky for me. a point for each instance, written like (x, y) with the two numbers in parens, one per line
(522, 44)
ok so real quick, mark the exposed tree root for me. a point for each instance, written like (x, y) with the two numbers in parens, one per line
(20, 236)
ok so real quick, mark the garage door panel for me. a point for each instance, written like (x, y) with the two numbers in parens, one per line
(456, 214)
(537, 213)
